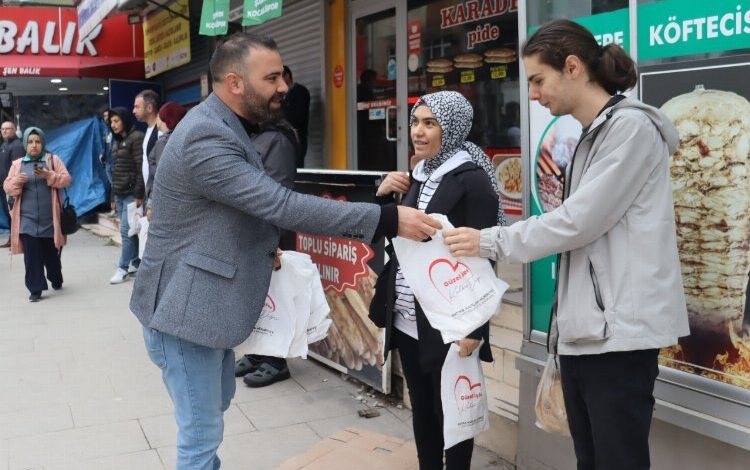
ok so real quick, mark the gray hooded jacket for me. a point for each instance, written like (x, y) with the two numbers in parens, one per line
(620, 283)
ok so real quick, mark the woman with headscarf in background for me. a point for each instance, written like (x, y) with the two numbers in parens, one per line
(127, 185)
(35, 181)
(454, 177)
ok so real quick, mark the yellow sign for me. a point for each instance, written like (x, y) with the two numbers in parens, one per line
(501, 71)
(166, 39)
(438, 80)
(467, 76)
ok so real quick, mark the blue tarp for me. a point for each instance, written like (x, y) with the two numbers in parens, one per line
(79, 144)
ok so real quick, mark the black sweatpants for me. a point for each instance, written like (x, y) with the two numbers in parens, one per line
(609, 399)
(427, 412)
(38, 254)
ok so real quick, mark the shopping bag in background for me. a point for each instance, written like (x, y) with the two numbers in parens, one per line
(550, 405)
(464, 397)
(457, 295)
(134, 215)
(142, 236)
(274, 331)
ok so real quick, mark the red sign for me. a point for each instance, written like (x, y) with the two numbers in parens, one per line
(414, 36)
(44, 42)
(338, 76)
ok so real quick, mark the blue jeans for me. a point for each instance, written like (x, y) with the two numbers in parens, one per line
(129, 252)
(201, 383)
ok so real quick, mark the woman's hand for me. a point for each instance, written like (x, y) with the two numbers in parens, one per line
(467, 346)
(21, 179)
(43, 173)
(277, 260)
(463, 241)
(394, 182)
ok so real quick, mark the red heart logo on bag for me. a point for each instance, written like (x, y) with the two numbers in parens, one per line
(450, 279)
(467, 395)
(269, 307)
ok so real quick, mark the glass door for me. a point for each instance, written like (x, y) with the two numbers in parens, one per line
(377, 103)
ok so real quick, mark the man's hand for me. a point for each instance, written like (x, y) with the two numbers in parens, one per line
(138, 202)
(415, 224)
(467, 346)
(22, 179)
(394, 182)
(462, 241)
(277, 260)
(113, 205)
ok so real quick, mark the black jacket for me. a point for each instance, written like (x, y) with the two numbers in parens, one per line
(9, 151)
(127, 174)
(466, 197)
(296, 107)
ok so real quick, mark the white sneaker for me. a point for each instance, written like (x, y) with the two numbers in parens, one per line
(132, 270)
(120, 276)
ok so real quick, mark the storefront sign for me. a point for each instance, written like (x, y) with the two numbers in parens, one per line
(438, 80)
(415, 36)
(486, 33)
(676, 28)
(90, 14)
(44, 42)
(607, 28)
(499, 72)
(468, 76)
(166, 39)
(259, 11)
(475, 10)
(214, 17)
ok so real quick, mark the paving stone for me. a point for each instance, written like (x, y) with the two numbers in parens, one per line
(35, 420)
(76, 445)
(386, 421)
(293, 409)
(260, 450)
(116, 409)
(145, 460)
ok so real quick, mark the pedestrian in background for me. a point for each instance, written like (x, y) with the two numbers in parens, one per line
(619, 295)
(170, 114)
(146, 109)
(35, 182)
(11, 149)
(296, 105)
(278, 145)
(127, 185)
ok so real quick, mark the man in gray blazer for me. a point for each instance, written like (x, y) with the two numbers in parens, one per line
(213, 235)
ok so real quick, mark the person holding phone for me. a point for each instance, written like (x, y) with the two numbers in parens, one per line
(35, 181)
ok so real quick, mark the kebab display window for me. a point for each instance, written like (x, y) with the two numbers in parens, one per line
(472, 48)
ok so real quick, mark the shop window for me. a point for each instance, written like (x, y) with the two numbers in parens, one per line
(472, 48)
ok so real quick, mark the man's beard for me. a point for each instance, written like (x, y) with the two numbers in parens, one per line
(258, 110)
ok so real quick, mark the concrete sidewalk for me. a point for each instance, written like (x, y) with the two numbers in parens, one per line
(78, 391)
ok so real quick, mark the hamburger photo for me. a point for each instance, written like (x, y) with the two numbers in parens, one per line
(440, 65)
(500, 55)
(468, 61)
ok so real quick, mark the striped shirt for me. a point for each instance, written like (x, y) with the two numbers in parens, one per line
(405, 317)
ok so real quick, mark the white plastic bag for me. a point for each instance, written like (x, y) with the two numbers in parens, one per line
(142, 236)
(134, 216)
(457, 295)
(550, 405)
(464, 397)
(275, 328)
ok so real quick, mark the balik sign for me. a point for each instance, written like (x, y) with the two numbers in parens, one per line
(48, 36)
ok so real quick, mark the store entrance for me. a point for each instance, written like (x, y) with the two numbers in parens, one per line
(376, 123)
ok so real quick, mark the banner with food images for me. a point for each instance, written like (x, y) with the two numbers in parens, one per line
(711, 186)
(348, 270)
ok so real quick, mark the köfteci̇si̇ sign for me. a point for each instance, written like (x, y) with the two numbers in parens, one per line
(456, 295)
(676, 28)
(259, 11)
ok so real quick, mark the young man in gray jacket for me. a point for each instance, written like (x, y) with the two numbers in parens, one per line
(619, 290)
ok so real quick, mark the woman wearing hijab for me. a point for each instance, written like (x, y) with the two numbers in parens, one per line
(170, 114)
(127, 185)
(455, 178)
(35, 181)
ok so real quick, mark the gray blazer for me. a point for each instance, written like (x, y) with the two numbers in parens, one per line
(216, 218)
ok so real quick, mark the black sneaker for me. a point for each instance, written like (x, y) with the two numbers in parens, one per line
(34, 297)
(57, 286)
(267, 374)
(246, 364)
